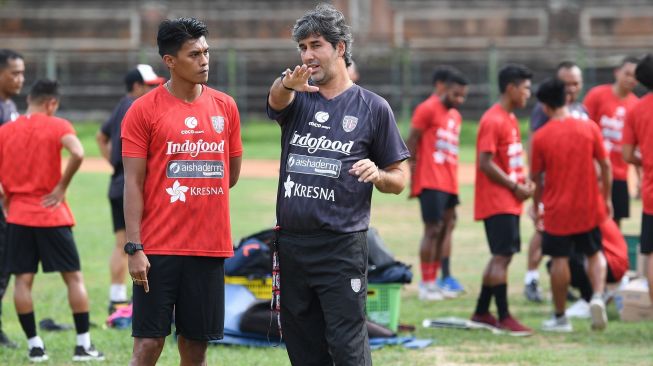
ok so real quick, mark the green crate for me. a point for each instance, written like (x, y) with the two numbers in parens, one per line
(383, 303)
(633, 249)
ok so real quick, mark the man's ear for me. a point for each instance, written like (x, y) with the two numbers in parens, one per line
(170, 61)
(341, 48)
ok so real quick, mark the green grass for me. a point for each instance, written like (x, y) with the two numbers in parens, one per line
(398, 221)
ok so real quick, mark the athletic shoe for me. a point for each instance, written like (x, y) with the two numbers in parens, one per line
(580, 309)
(450, 284)
(430, 292)
(597, 311)
(87, 354)
(532, 292)
(514, 327)
(556, 324)
(487, 319)
(5, 341)
(37, 354)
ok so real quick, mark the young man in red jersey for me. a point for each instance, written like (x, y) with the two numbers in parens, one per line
(565, 150)
(181, 152)
(39, 220)
(501, 187)
(433, 141)
(607, 105)
(638, 133)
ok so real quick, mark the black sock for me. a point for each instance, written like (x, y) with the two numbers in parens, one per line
(484, 299)
(501, 299)
(28, 324)
(560, 315)
(444, 263)
(81, 322)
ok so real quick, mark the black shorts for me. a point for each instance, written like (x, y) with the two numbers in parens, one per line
(117, 214)
(502, 233)
(323, 295)
(646, 238)
(433, 204)
(587, 243)
(192, 287)
(54, 247)
(620, 199)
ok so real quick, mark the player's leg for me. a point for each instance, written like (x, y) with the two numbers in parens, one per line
(118, 259)
(646, 249)
(5, 275)
(590, 244)
(448, 282)
(432, 208)
(152, 316)
(532, 278)
(559, 248)
(620, 201)
(199, 314)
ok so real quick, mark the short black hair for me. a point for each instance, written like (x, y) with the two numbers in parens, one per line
(326, 21)
(513, 74)
(628, 60)
(644, 71)
(552, 93)
(174, 33)
(43, 89)
(6, 55)
(441, 73)
(456, 77)
(566, 65)
(133, 77)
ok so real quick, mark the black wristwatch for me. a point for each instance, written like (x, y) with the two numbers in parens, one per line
(131, 248)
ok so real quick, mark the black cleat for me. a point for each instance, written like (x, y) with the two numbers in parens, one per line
(87, 354)
(532, 292)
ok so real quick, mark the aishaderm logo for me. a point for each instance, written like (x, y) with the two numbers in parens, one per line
(313, 144)
(194, 148)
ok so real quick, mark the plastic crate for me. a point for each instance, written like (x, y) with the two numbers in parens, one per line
(260, 287)
(633, 249)
(383, 303)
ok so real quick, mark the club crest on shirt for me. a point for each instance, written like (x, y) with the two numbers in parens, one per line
(349, 123)
(218, 123)
(356, 284)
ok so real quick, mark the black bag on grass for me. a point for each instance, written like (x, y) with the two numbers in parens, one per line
(252, 258)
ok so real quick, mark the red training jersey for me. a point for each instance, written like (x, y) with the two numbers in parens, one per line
(436, 165)
(609, 111)
(639, 132)
(186, 191)
(498, 133)
(30, 168)
(565, 151)
(615, 248)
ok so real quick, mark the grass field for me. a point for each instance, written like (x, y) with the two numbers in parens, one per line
(397, 219)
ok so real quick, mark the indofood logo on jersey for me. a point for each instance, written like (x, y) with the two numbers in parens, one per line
(320, 118)
(294, 189)
(191, 123)
(313, 144)
(194, 148)
(178, 192)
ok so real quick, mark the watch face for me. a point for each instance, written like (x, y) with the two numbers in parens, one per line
(129, 248)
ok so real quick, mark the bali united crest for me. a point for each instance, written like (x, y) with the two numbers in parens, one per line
(356, 284)
(349, 123)
(218, 123)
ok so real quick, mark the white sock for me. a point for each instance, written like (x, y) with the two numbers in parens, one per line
(531, 275)
(84, 340)
(35, 342)
(118, 293)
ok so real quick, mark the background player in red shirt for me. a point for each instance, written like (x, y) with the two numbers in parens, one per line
(181, 153)
(638, 133)
(499, 191)
(433, 141)
(607, 105)
(572, 76)
(39, 219)
(563, 153)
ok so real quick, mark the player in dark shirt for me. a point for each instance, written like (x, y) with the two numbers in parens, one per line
(338, 142)
(138, 82)
(12, 77)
